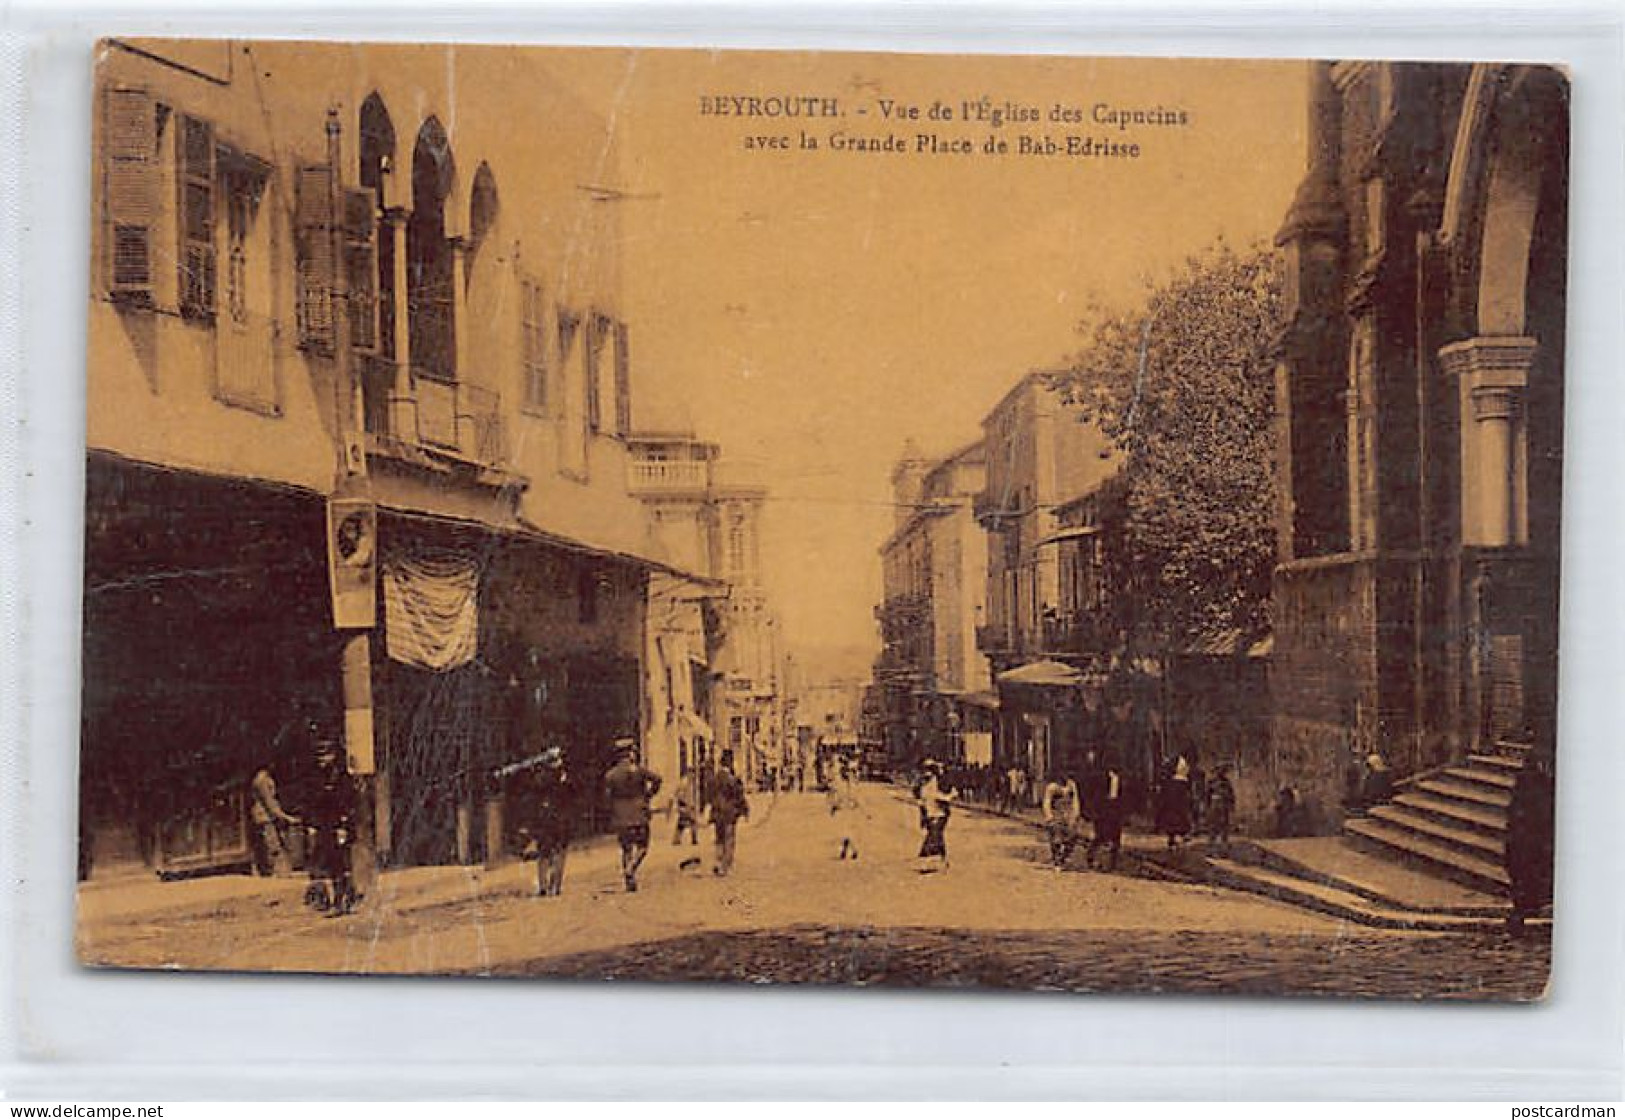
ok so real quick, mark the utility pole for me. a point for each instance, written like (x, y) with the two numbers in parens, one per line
(352, 534)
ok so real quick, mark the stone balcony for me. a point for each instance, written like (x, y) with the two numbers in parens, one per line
(668, 478)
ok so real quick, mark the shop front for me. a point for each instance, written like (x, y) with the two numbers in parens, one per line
(208, 652)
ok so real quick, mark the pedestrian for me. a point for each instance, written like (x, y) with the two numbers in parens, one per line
(1104, 793)
(843, 810)
(728, 807)
(1529, 839)
(1174, 801)
(1287, 813)
(1355, 781)
(1221, 807)
(269, 819)
(686, 806)
(331, 813)
(1379, 779)
(1062, 809)
(630, 786)
(935, 808)
(552, 820)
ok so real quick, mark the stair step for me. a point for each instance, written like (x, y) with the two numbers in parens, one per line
(1376, 876)
(1448, 811)
(1328, 899)
(1441, 858)
(1453, 788)
(1485, 776)
(1489, 847)
(1497, 762)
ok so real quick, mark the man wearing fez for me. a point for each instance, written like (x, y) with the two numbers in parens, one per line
(630, 786)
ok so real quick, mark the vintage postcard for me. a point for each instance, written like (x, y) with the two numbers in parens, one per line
(1025, 522)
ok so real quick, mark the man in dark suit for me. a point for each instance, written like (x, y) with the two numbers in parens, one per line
(630, 786)
(728, 808)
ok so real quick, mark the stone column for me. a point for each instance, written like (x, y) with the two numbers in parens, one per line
(1495, 412)
(402, 327)
(1493, 372)
(402, 418)
(460, 247)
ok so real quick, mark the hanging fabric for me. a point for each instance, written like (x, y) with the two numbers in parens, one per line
(431, 608)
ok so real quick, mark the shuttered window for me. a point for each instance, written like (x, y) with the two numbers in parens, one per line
(196, 183)
(623, 380)
(313, 207)
(130, 192)
(361, 268)
(597, 338)
(533, 344)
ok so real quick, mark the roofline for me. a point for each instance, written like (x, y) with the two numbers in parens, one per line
(1025, 380)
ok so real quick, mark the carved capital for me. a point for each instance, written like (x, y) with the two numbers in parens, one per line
(1499, 361)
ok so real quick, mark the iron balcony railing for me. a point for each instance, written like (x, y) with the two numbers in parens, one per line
(453, 417)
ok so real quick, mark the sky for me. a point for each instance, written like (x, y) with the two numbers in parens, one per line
(812, 310)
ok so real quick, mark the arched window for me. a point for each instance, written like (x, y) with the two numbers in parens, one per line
(482, 210)
(429, 257)
(377, 133)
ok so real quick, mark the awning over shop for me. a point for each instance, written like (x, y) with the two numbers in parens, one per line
(1072, 533)
(1053, 674)
(979, 699)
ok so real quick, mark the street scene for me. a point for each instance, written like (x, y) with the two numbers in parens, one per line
(794, 913)
(881, 520)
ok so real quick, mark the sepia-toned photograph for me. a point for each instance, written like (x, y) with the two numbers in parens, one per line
(906, 520)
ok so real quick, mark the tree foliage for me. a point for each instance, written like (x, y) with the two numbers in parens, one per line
(1184, 385)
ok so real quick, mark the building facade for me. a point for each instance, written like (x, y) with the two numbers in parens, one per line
(1420, 439)
(1042, 511)
(706, 517)
(934, 686)
(360, 388)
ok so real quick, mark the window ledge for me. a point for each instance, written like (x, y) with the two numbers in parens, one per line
(269, 409)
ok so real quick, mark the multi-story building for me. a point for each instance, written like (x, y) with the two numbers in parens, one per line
(706, 515)
(1420, 428)
(1047, 473)
(352, 307)
(934, 683)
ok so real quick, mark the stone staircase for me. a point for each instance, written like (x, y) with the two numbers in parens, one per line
(1451, 822)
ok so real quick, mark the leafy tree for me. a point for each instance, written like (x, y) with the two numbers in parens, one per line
(1184, 385)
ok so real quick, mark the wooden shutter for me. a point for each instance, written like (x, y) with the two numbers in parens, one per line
(534, 343)
(196, 209)
(623, 380)
(597, 335)
(361, 268)
(130, 192)
(313, 214)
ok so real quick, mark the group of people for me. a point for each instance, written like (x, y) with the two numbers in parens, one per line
(1189, 801)
(326, 821)
(1067, 803)
(546, 800)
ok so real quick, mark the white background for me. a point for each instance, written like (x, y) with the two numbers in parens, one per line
(67, 1033)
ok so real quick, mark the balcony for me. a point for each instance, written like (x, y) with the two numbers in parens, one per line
(995, 511)
(437, 419)
(673, 478)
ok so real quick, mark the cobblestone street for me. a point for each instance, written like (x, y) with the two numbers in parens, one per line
(792, 912)
(1344, 964)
